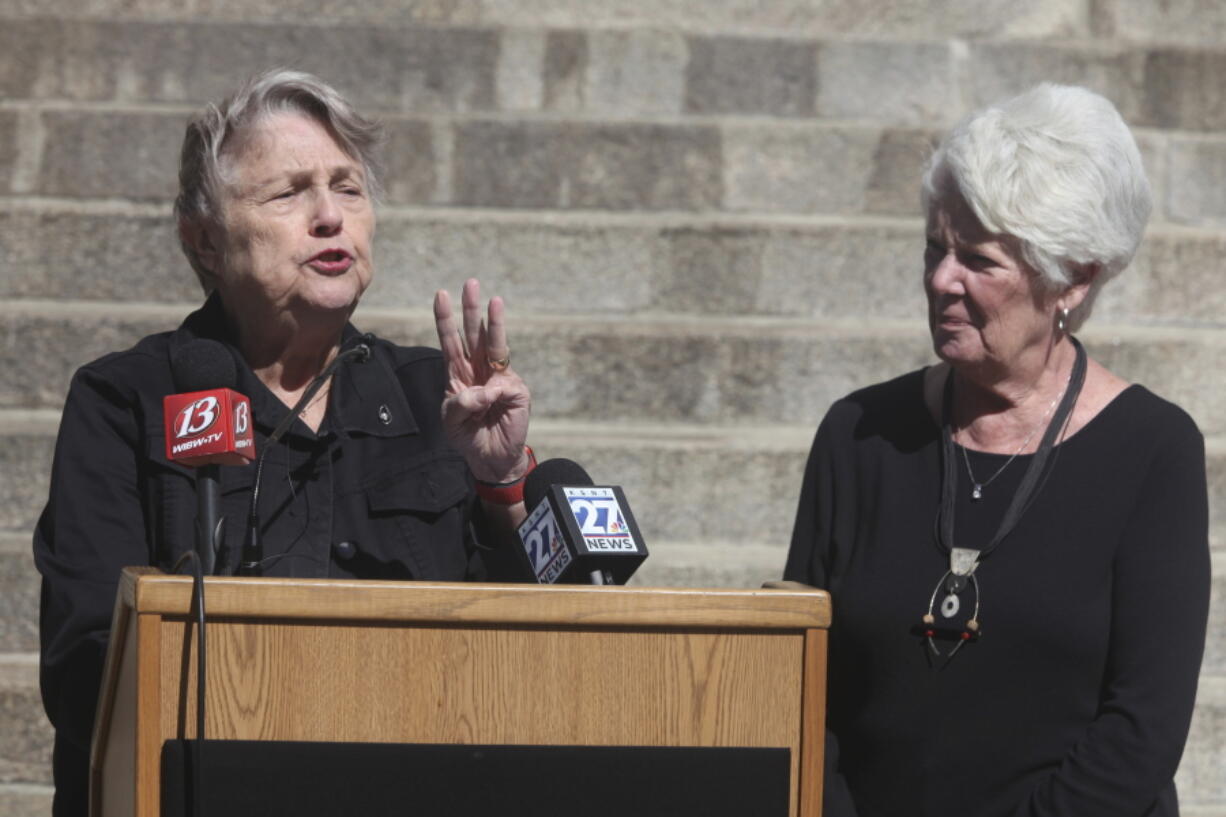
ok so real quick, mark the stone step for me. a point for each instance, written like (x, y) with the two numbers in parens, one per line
(25, 733)
(611, 263)
(1202, 810)
(1201, 780)
(657, 368)
(25, 799)
(1129, 21)
(18, 594)
(621, 72)
(697, 164)
(665, 165)
(708, 563)
(700, 532)
(1182, 23)
(666, 469)
(25, 473)
(891, 18)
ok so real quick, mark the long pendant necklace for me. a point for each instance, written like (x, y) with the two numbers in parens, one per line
(977, 486)
(963, 561)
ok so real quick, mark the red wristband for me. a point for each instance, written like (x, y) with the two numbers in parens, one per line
(506, 493)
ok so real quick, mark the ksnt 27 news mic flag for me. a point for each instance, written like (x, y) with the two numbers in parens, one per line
(578, 532)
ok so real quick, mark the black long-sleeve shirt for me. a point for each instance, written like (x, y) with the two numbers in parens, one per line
(1076, 700)
(377, 493)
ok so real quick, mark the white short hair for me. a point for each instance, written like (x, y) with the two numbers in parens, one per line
(1057, 169)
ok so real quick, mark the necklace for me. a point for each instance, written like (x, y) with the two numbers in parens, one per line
(977, 486)
(960, 577)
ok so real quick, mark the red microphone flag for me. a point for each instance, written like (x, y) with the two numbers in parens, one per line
(208, 428)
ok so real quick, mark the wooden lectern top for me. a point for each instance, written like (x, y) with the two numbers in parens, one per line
(148, 590)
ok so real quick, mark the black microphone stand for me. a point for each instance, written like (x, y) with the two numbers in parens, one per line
(210, 524)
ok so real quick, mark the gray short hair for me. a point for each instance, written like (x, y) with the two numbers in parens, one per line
(1057, 169)
(201, 162)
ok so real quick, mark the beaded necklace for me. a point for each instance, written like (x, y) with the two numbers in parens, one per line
(963, 561)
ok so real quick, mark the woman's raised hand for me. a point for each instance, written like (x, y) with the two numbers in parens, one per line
(486, 407)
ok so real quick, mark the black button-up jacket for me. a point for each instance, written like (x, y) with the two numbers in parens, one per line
(377, 493)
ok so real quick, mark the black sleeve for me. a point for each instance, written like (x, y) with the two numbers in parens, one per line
(496, 553)
(810, 561)
(1129, 753)
(92, 527)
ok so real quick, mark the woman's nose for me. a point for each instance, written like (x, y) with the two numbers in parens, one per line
(946, 275)
(328, 216)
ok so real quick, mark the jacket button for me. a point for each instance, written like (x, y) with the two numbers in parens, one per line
(344, 550)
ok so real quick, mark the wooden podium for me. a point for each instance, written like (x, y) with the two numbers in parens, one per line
(449, 663)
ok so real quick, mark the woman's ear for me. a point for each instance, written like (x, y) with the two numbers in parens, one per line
(196, 235)
(1084, 276)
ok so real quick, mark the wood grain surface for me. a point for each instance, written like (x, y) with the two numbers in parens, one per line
(429, 662)
(458, 602)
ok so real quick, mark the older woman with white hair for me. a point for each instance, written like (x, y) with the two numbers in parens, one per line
(1015, 539)
(407, 465)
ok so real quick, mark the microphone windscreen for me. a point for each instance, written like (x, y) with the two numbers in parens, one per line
(552, 472)
(203, 364)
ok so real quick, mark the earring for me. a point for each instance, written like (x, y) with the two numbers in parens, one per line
(1062, 321)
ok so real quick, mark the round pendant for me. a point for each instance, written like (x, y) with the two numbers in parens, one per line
(977, 492)
(950, 606)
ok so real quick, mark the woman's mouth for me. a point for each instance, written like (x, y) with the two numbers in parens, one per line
(951, 321)
(331, 261)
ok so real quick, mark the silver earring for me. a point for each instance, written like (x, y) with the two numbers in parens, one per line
(1062, 321)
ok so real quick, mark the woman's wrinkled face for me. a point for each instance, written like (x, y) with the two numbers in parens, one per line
(297, 222)
(986, 306)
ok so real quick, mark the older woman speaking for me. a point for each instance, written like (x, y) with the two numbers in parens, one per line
(403, 466)
(1015, 539)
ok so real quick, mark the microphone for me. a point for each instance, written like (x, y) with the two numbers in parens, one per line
(578, 532)
(207, 425)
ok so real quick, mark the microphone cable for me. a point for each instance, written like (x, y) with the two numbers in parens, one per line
(252, 557)
(197, 607)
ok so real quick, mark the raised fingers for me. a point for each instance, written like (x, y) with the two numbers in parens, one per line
(496, 338)
(471, 302)
(478, 348)
(449, 339)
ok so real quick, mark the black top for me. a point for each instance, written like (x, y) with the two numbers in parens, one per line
(377, 493)
(1076, 700)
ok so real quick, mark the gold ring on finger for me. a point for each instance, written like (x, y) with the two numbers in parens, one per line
(499, 364)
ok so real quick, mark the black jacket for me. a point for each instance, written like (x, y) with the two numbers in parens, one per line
(377, 493)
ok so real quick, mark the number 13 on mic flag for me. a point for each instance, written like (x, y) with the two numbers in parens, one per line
(208, 428)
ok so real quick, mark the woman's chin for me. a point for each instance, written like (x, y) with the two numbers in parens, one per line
(332, 296)
(955, 348)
